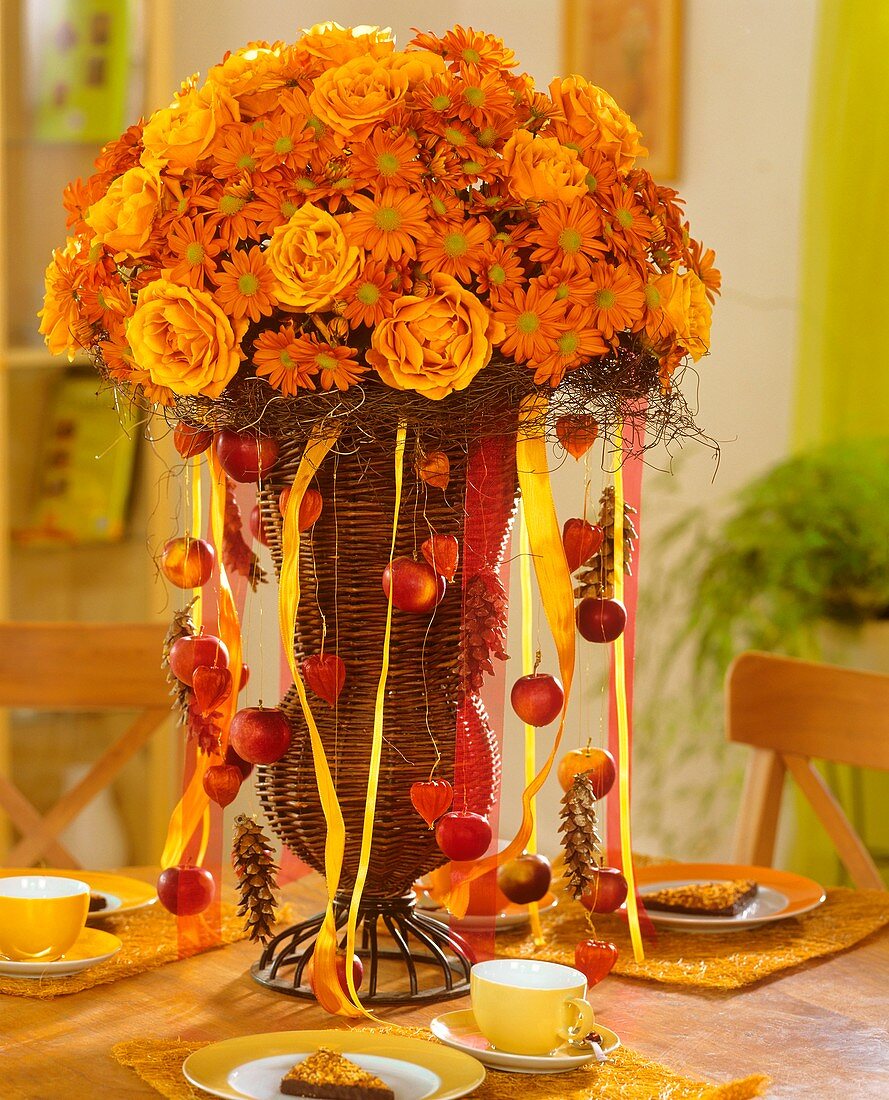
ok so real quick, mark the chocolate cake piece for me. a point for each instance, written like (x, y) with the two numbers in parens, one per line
(704, 899)
(97, 902)
(329, 1076)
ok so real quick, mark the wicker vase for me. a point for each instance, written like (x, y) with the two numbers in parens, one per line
(428, 713)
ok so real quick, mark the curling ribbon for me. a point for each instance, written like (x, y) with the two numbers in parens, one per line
(326, 985)
(527, 669)
(620, 698)
(557, 597)
(189, 814)
(376, 749)
(196, 520)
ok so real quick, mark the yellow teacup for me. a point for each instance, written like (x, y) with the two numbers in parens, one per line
(527, 1007)
(40, 916)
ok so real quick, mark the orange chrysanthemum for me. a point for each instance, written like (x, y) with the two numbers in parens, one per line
(387, 159)
(234, 151)
(276, 358)
(232, 210)
(618, 298)
(283, 142)
(463, 45)
(194, 245)
(533, 319)
(391, 224)
(628, 227)
(370, 297)
(577, 343)
(336, 365)
(245, 286)
(456, 249)
(701, 263)
(568, 235)
(277, 199)
(481, 97)
(501, 271)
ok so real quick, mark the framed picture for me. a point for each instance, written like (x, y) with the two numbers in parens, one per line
(632, 49)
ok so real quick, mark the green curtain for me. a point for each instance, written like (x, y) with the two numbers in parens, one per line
(842, 380)
(843, 365)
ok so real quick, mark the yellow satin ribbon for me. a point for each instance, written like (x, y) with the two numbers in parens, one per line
(196, 521)
(557, 597)
(527, 669)
(376, 749)
(325, 982)
(620, 695)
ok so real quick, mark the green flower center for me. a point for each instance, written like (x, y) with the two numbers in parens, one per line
(305, 183)
(568, 343)
(248, 284)
(527, 323)
(454, 245)
(438, 205)
(604, 298)
(288, 209)
(388, 164)
(194, 253)
(368, 294)
(652, 296)
(487, 137)
(591, 182)
(284, 144)
(246, 161)
(570, 240)
(325, 361)
(472, 167)
(454, 136)
(475, 97)
(285, 360)
(387, 218)
(624, 218)
(497, 275)
(231, 204)
(471, 55)
(562, 292)
(440, 102)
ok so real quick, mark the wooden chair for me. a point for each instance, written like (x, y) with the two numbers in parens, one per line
(78, 667)
(792, 711)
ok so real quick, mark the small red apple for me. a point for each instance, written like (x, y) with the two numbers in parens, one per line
(310, 507)
(187, 562)
(537, 699)
(190, 441)
(245, 456)
(463, 836)
(601, 620)
(256, 528)
(607, 892)
(260, 735)
(243, 766)
(525, 878)
(357, 972)
(191, 651)
(595, 959)
(597, 764)
(245, 677)
(222, 782)
(416, 587)
(185, 891)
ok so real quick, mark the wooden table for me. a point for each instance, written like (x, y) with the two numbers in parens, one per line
(818, 1032)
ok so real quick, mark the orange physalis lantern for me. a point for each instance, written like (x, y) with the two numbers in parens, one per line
(581, 540)
(442, 552)
(432, 799)
(577, 433)
(325, 673)
(435, 469)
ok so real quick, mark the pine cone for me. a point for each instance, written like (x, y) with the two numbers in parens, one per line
(236, 554)
(255, 867)
(580, 839)
(598, 578)
(181, 626)
(484, 628)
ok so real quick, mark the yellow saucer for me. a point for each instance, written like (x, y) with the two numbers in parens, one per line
(253, 1065)
(122, 894)
(92, 947)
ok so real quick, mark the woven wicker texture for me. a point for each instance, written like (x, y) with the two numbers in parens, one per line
(150, 939)
(626, 1076)
(341, 566)
(728, 960)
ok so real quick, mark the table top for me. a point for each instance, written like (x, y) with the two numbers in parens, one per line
(815, 1031)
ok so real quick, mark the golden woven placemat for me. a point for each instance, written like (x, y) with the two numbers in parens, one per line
(728, 960)
(625, 1076)
(150, 938)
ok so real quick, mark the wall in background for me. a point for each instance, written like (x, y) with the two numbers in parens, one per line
(744, 122)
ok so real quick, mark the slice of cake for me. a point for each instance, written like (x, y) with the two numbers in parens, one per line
(329, 1075)
(705, 899)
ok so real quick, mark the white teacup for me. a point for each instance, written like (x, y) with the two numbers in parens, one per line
(526, 1007)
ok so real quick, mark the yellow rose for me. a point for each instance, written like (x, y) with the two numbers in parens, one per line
(311, 260)
(418, 65)
(252, 75)
(336, 45)
(353, 97)
(123, 217)
(184, 341)
(437, 344)
(543, 169)
(179, 135)
(591, 110)
(688, 310)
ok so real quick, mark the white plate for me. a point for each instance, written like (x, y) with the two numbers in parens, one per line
(459, 1030)
(762, 909)
(92, 947)
(251, 1067)
(513, 917)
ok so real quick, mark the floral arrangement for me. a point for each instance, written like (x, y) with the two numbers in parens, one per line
(335, 212)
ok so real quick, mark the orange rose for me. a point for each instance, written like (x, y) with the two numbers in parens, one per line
(184, 341)
(418, 65)
(336, 45)
(685, 303)
(591, 110)
(311, 260)
(124, 216)
(179, 135)
(60, 318)
(353, 97)
(437, 344)
(252, 75)
(543, 169)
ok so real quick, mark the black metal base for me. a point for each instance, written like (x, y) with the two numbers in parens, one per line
(428, 962)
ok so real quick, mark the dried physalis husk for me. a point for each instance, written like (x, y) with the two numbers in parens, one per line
(442, 552)
(577, 433)
(435, 469)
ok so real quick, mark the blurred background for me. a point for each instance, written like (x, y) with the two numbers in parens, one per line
(771, 121)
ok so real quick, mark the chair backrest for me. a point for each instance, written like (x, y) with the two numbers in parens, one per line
(89, 666)
(791, 712)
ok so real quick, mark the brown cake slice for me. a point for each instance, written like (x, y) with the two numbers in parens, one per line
(328, 1075)
(704, 899)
